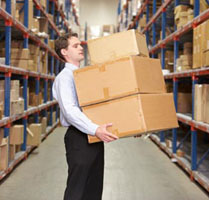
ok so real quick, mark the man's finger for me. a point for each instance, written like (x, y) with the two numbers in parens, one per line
(112, 135)
(109, 125)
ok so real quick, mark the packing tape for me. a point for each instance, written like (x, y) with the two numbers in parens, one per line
(30, 132)
(106, 93)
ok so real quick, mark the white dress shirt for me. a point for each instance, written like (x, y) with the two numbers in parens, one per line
(65, 93)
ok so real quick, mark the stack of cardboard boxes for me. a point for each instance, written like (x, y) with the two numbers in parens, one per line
(32, 59)
(124, 87)
(183, 14)
(201, 45)
(184, 62)
(16, 102)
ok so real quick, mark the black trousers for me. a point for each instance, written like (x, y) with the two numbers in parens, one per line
(85, 167)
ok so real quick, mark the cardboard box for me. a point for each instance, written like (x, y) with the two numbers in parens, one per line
(34, 99)
(198, 103)
(54, 117)
(34, 134)
(44, 124)
(200, 44)
(43, 25)
(184, 102)
(14, 95)
(34, 50)
(43, 3)
(16, 53)
(206, 103)
(51, 44)
(14, 84)
(117, 46)
(4, 154)
(12, 150)
(16, 134)
(180, 8)
(17, 107)
(206, 58)
(123, 77)
(134, 115)
(19, 63)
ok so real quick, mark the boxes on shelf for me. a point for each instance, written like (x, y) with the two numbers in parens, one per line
(17, 107)
(187, 48)
(43, 3)
(203, 5)
(16, 53)
(12, 150)
(4, 154)
(44, 124)
(184, 102)
(16, 134)
(51, 44)
(201, 103)
(122, 77)
(184, 62)
(206, 103)
(54, 117)
(14, 92)
(34, 99)
(183, 14)
(34, 134)
(206, 58)
(116, 46)
(43, 25)
(200, 44)
(134, 115)
(13, 6)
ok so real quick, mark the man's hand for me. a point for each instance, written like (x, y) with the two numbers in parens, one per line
(103, 134)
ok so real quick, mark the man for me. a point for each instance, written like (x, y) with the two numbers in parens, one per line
(85, 161)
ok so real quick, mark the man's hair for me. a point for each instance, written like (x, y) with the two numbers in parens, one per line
(62, 43)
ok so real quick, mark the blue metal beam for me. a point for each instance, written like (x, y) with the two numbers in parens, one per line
(26, 22)
(196, 8)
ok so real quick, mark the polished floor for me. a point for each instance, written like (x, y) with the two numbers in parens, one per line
(135, 169)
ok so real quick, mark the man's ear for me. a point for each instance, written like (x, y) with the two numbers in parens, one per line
(63, 52)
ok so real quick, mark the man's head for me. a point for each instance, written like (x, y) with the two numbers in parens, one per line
(68, 47)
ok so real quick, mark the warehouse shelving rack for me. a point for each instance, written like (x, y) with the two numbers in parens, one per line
(9, 71)
(190, 168)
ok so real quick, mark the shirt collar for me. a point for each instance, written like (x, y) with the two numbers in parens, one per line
(71, 66)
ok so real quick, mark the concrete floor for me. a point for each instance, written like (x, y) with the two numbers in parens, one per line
(135, 169)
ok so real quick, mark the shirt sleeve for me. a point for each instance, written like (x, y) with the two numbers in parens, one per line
(63, 92)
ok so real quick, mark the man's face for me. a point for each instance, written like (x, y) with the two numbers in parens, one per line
(74, 51)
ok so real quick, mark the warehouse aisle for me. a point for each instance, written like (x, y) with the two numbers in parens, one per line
(135, 169)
